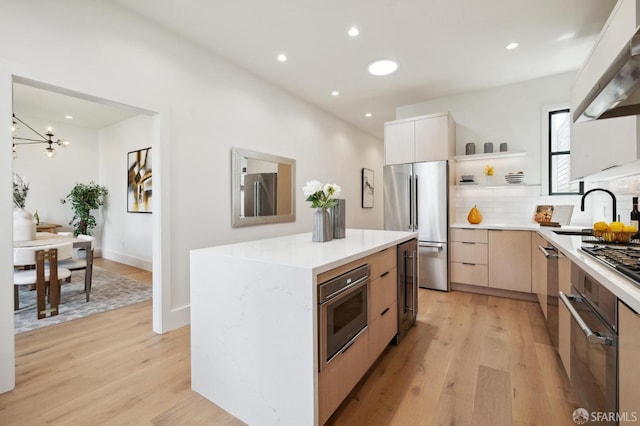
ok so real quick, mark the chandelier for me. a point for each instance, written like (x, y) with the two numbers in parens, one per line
(47, 138)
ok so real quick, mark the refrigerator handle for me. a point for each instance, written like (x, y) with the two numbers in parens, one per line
(410, 203)
(256, 198)
(416, 192)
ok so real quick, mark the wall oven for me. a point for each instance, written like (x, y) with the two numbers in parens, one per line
(342, 313)
(594, 355)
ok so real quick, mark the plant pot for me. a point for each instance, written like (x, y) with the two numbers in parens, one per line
(322, 226)
(23, 227)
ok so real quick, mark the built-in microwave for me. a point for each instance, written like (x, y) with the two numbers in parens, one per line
(342, 313)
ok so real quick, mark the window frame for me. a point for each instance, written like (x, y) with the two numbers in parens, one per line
(552, 154)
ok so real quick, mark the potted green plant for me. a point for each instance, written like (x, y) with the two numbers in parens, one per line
(84, 198)
(23, 227)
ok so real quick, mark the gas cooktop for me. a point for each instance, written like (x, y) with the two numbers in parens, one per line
(623, 258)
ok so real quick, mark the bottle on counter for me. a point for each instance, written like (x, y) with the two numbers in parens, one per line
(635, 214)
(36, 217)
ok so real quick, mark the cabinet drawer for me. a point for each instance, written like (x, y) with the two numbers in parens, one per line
(382, 262)
(469, 235)
(382, 292)
(465, 273)
(337, 379)
(381, 330)
(469, 253)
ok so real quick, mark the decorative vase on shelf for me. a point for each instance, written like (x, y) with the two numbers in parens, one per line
(24, 229)
(322, 226)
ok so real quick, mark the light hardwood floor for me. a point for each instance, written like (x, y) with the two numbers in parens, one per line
(470, 360)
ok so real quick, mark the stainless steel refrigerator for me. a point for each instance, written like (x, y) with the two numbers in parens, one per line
(260, 194)
(416, 198)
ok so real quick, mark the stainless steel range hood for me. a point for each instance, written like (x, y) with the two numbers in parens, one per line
(617, 92)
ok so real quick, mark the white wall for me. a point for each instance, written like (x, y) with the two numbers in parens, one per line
(51, 179)
(127, 237)
(206, 106)
(516, 114)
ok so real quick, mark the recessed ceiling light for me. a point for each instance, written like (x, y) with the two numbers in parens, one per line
(353, 31)
(335, 93)
(282, 57)
(368, 114)
(383, 67)
(511, 45)
(68, 117)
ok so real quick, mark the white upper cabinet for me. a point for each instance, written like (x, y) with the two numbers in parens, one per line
(602, 144)
(425, 138)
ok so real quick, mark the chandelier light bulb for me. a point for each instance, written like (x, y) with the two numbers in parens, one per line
(15, 153)
(14, 127)
(49, 131)
(64, 143)
(49, 152)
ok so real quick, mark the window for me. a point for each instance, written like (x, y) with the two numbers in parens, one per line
(560, 153)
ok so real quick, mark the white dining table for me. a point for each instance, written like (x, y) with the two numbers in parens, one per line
(48, 238)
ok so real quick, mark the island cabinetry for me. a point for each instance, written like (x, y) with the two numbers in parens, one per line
(425, 138)
(510, 260)
(383, 302)
(628, 361)
(340, 376)
(469, 256)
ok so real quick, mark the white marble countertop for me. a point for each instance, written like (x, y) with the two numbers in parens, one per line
(299, 251)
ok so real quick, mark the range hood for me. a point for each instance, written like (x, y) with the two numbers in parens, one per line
(617, 92)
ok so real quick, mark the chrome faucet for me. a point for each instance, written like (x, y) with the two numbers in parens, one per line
(613, 198)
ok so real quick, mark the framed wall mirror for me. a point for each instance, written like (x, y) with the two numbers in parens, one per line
(262, 188)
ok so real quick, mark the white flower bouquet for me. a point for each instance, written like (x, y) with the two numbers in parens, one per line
(321, 195)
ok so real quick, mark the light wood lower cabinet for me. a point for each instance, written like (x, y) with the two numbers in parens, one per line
(469, 256)
(564, 317)
(337, 379)
(628, 362)
(510, 260)
(539, 271)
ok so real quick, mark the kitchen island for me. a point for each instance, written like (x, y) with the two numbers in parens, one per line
(254, 321)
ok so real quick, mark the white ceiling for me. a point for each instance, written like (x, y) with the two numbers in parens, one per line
(443, 47)
(51, 106)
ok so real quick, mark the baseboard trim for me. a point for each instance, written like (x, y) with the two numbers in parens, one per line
(488, 291)
(145, 264)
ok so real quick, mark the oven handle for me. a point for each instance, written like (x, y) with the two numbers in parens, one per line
(588, 333)
(546, 250)
(344, 292)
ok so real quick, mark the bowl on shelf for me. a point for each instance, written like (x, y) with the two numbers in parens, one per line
(514, 178)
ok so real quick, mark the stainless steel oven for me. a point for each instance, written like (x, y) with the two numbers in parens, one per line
(594, 355)
(342, 312)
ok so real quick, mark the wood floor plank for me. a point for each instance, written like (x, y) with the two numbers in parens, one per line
(492, 404)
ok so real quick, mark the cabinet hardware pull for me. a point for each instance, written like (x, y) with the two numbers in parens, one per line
(384, 274)
(467, 263)
(467, 242)
(385, 311)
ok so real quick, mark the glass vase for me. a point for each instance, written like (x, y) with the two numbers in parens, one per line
(322, 226)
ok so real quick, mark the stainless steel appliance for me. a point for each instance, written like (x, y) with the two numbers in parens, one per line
(342, 312)
(416, 198)
(407, 287)
(551, 254)
(622, 258)
(594, 364)
(260, 194)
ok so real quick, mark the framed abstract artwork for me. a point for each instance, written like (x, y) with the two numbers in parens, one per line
(367, 188)
(139, 181)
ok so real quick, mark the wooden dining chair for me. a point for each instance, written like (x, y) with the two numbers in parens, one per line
(46, 275)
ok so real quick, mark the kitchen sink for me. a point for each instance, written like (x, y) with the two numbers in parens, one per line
(574, 232)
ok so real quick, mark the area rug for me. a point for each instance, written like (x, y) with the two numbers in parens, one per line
(108, 291)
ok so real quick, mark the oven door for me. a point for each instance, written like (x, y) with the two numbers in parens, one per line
(593, 358)
(341, 319)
